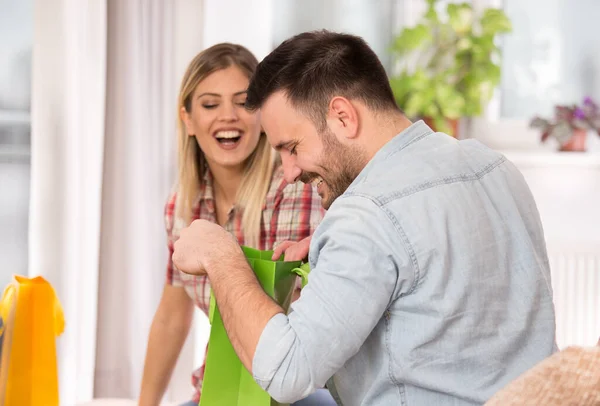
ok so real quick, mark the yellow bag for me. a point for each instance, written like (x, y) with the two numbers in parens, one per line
(31, 318)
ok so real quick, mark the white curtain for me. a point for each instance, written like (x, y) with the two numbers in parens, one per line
(68, 106)
(105, 79)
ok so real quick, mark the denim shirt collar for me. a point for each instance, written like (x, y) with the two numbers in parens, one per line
(409, 135)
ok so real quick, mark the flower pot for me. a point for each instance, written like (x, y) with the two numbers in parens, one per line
(452, 123)
(577, 141)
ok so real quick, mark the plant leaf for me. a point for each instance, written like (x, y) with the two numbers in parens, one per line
(412, 38)
(401, 87)
(538, 122)
(494, 21)
(417, 102)
(420, 80)
(442, 125)
(460, 17)
(431, 110)
(431, 14)
(450, 101)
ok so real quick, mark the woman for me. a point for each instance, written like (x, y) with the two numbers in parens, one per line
(228, 174)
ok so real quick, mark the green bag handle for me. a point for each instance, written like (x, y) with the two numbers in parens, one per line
(303, 272)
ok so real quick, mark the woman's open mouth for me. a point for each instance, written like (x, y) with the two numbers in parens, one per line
(228, 139)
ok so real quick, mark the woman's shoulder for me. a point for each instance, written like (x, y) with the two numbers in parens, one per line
(170, 209)
(174, 220)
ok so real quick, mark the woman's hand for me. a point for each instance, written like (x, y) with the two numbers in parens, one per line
(292, 250)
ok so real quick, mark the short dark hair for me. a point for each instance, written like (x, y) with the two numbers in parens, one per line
(315, 66)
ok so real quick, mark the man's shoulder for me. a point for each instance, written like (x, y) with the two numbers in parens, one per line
(424, 165)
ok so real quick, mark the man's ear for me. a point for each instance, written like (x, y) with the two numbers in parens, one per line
(342, 117)
(187, 121)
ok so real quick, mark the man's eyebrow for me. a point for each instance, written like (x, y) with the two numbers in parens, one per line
(285, 145)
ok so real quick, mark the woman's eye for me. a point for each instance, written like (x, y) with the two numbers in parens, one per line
(293, 150)
(241, 104)
(209, 106)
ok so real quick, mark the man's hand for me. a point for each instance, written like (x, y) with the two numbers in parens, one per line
(201, 244)
(294, 251)
(245, 308)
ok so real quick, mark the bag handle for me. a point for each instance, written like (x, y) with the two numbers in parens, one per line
(303, 272)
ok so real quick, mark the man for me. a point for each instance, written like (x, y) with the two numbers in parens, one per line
(430, 282)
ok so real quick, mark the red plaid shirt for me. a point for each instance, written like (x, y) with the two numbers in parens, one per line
(291, 212)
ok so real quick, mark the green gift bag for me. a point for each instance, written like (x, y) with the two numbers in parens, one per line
(226, 380)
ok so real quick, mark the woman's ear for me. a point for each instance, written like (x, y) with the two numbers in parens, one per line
(187, 121)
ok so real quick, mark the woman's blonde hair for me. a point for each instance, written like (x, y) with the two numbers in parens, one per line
(191, 161)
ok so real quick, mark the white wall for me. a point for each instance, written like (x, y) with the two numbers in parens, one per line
(248, 23)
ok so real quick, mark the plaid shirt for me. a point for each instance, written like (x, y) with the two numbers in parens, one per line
(291, 212)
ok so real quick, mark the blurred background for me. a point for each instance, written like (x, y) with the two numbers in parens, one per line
(87, 142)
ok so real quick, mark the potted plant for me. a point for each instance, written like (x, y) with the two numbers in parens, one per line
(448, 68)
(570, 124)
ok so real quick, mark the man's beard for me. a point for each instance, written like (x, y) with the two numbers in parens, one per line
(340, 165)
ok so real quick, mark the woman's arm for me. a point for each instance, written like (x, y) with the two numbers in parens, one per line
(169, 330)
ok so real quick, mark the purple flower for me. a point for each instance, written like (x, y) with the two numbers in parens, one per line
(579, 113)
(588, 102)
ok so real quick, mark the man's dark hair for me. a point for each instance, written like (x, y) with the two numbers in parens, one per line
(313, 67)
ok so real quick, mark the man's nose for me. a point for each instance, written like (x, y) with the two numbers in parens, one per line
(291, 172)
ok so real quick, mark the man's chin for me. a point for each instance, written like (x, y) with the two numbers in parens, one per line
(327, 195)
(326, 202)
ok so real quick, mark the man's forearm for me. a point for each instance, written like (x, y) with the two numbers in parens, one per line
(244, 306)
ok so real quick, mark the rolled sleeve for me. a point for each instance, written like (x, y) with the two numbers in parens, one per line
(273, 354)
(359, 266)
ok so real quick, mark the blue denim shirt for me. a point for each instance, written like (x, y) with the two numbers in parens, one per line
(430, 283)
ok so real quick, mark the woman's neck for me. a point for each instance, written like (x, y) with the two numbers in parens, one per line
(226, 183)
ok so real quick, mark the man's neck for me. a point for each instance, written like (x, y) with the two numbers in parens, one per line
(382, 128)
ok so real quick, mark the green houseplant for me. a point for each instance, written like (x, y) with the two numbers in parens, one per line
(447, 67)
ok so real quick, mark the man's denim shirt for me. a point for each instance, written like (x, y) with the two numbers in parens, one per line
(430, 283)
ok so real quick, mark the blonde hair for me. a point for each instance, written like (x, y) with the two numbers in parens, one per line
(191, 161)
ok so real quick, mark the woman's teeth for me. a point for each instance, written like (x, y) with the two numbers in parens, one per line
(228, 136)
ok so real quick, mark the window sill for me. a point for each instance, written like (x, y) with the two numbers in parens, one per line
(15, 153)
(541, 158)
(14, 117)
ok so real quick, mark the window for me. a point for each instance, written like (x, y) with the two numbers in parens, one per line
(551, 57)
(371, 19)
(16, 39)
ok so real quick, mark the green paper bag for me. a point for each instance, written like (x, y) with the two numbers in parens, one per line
(226, 380)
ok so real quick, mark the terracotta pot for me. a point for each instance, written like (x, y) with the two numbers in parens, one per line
(453, 123)
(577, 141)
